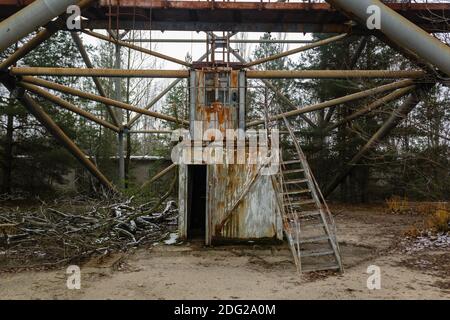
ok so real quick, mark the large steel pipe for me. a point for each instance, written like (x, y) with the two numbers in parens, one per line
(33, 16)
(67, 105)
(137, 48)
(89, 65)
(333, 74)
(297, 50)
(39, 113)
(396, 117)
(334, 102)
(49, 30)
(94, 97)
(78, 72)
(400, 30)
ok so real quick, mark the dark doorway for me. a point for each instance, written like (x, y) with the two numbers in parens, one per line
(196, 219)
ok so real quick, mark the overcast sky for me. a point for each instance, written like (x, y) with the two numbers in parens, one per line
(196, 50)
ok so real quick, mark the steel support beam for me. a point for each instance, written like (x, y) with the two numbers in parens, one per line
(251, 74)
(29, 19)
(88, 63)
(67, 105)
(137, 48)
(334, 102)
(109, 73)
(159, 175)
(359, 50)
(297, 50)
(397, 94)
(50, 29)
(94, 97)
(400, 30)
(272, 87)
(153, 102)
(161, 95)
(255, 41)
(150, 132)
(333, 74)
(120, 117)
(395, 118)
(35, 109)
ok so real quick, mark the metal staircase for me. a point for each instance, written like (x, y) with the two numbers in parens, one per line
(308, 224)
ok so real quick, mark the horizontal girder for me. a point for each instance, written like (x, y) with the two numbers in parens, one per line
(236, 16)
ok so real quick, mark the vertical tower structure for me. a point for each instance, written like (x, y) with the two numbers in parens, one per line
(229, 201)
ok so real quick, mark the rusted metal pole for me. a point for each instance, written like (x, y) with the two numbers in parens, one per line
(159, 175)
(151, 131)
(396, 117)
(333, 74)
(374, 105)
(33, 16)
(94, 97)
(231, 41)
(400, 30)
(88, 63)
(119, 112)
(333, 102)
(272, 87)
(297, 50)
(29, 46)
(153, 102)
(50, 29)
(35, 109)
(359, 50)
(109, 73)
(137, 48)
(67, 105)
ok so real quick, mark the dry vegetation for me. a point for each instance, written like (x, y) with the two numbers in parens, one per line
(68, 231)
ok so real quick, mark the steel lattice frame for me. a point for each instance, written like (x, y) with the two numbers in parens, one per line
(430, 69)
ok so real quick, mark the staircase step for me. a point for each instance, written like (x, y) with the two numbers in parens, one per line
(304, 225)
(302, 191)
(293, 171)
(304, 254)
(301, 202)
(306, 214)
(321, 268)
(295, 181)
(313, 239)
(288, 162)
(311, 226)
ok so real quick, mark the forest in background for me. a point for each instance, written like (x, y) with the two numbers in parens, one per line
(412, 162)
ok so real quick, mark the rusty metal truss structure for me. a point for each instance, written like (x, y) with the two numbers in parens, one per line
(407, 27)
(258, 16)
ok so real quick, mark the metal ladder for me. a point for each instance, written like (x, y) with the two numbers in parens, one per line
(308, 224)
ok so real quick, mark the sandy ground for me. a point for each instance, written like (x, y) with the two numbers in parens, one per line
(190, 271)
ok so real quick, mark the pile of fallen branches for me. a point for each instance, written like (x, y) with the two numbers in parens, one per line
(61, 232)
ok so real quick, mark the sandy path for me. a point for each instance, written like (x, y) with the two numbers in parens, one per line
(193, 272)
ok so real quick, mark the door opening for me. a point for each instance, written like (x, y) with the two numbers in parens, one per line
(196, 213)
